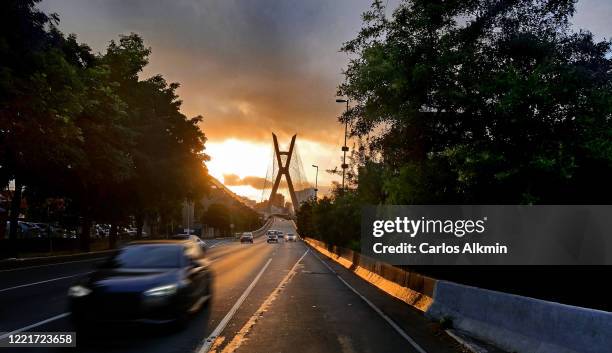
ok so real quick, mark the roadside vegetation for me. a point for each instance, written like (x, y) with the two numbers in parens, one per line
(471, 102)
(84, 137)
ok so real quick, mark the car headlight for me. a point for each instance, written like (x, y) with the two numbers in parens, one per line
(78, 291)
(161, 291)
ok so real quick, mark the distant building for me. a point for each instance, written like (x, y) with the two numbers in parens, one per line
(305, 195)
(278, 200)
(248, 202)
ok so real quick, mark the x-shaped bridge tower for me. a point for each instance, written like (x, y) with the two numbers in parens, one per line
(283, 170)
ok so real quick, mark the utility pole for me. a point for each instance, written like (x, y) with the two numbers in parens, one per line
(316, 181)
(188, 214)
(344, 148)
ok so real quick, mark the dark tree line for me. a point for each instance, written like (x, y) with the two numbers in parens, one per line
(476, 102)
(87, 128)
(223, 215)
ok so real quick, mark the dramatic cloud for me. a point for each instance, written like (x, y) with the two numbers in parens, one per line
(257, 183)
(252, 67)
(252, 181)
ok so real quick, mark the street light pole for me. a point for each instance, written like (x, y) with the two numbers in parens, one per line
(344, 148)
(316, 181)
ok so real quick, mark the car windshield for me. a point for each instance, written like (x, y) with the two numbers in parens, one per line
(147, 256)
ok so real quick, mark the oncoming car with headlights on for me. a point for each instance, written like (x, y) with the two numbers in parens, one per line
(144, 282)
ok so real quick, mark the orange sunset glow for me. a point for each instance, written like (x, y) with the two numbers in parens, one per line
(246, 163)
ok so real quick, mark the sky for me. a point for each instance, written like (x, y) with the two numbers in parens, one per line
(252, 67)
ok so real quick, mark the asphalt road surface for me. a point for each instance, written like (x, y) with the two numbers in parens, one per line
(266, 298)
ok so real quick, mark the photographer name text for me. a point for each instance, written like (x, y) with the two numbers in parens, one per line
(413, 228)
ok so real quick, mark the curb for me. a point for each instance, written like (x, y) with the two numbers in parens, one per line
(8, 264)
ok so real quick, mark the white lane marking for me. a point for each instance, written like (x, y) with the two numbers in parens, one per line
(57, 317)
(55, 264)
(238, 339)
(41, 282)
(376, 309)
(217, 331)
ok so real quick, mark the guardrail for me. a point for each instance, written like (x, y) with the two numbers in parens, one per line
(510, 322)
(412, 288)
(264, 228)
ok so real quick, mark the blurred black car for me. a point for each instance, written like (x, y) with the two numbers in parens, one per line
(144, 282)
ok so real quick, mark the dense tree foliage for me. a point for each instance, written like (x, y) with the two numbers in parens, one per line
(85, 127)
(223, 215)
(480, 102)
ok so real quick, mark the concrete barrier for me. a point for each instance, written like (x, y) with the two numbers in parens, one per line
(521, 324)
(261, 231)
(510, 322)
(411, 288)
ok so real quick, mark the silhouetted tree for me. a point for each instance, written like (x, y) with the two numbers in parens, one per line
(85, 127)
(483, 102)
(217, 216)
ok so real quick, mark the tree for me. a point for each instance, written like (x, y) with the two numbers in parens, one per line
(217, 216)
(483, 102)
(463, 102)
(39, 98)
(85, 128)
(168, 147)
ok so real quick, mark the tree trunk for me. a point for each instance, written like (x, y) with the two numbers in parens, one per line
(154, 226)
(112, 236)
(85, 233)
(14, 216)
(139, 224)
(163, 225)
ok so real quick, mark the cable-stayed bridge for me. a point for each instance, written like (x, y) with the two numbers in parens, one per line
(286, 186)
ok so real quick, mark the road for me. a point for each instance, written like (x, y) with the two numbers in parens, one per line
(266, 298)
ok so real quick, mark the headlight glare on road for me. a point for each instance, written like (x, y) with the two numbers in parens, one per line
(161, 291)
(78, 291)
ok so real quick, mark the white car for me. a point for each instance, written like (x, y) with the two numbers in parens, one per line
(272, 237)
(246, 237)
(290, 237)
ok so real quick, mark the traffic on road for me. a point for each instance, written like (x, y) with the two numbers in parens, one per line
(172, 296)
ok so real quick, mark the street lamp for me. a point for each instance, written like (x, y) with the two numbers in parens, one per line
(316, 181)
(344, 148)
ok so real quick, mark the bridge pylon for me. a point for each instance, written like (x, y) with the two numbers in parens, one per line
(283, 170)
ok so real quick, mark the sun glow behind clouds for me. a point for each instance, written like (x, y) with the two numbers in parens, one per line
(248, 159)
(243, 158)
